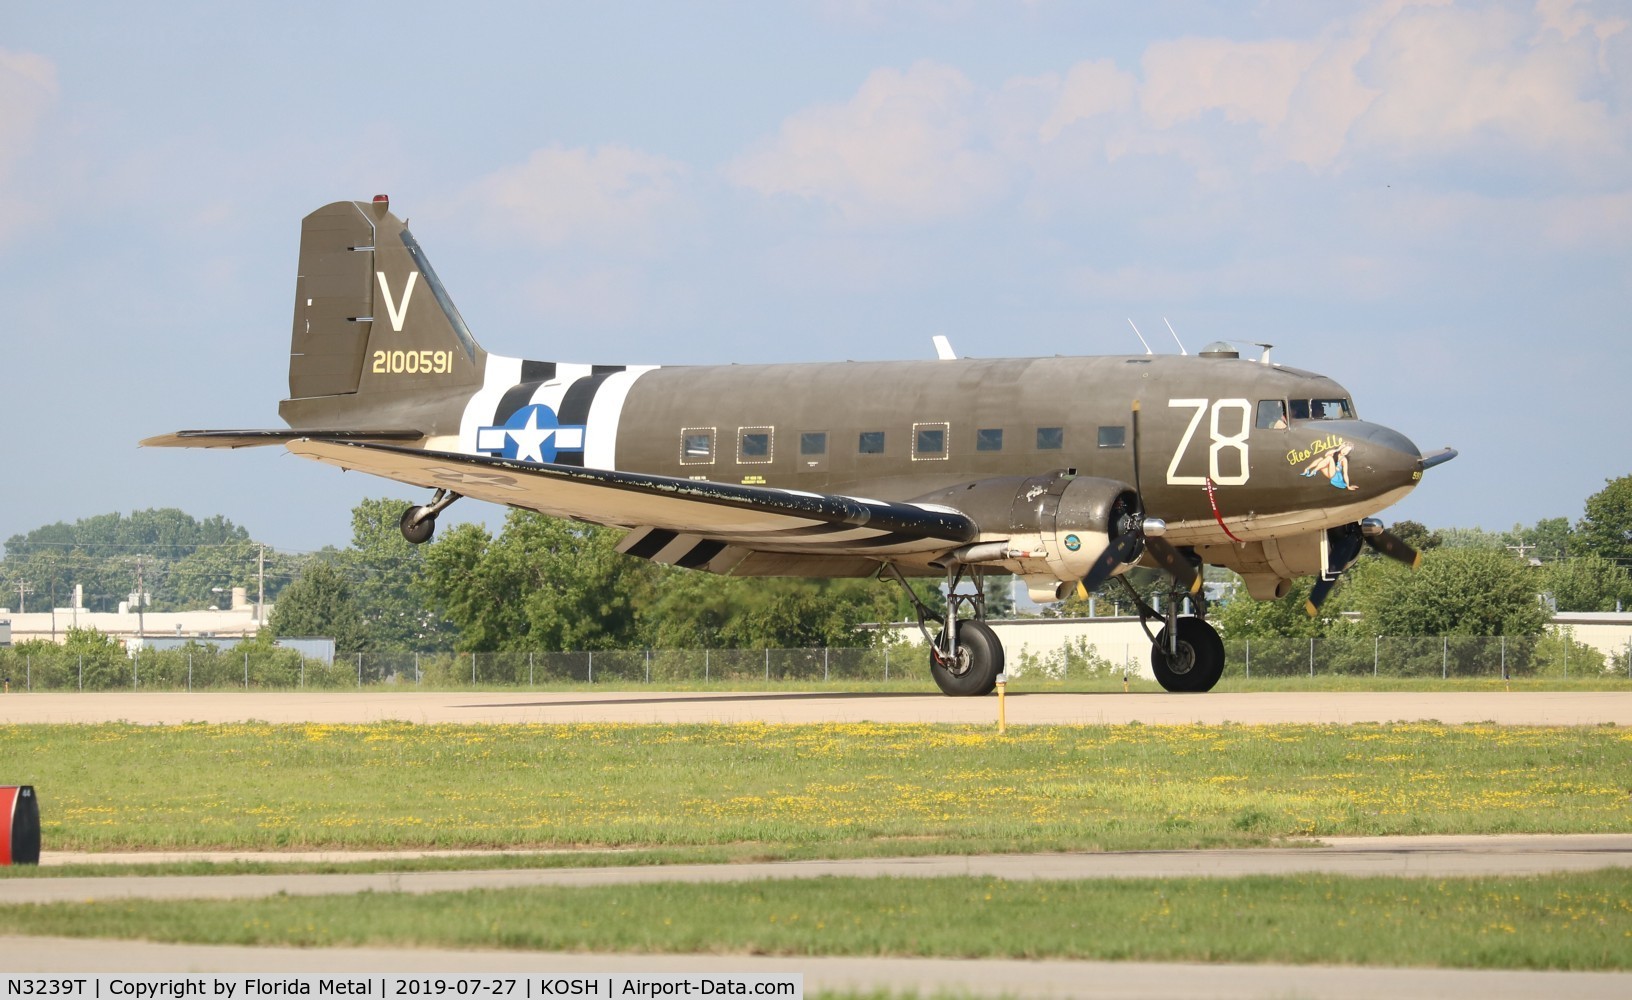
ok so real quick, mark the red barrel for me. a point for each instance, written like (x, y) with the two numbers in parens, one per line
(19, 825)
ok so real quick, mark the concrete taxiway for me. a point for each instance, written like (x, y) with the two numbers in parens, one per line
(1423, 857)
(912, 976)
(1527, 708)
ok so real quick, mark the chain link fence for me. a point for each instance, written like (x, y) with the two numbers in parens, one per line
(206, 667)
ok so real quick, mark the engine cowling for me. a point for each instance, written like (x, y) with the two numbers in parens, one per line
(1054, 525)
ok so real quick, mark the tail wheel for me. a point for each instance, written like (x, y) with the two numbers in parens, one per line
(417, 532)
(1197, 660)
(979, 660)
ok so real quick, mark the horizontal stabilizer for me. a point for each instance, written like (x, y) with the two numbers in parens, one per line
(256, 438)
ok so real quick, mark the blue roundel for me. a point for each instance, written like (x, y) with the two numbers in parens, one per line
(1073, 543)
(532, 434)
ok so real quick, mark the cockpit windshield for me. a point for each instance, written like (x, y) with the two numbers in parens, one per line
(1322, 409)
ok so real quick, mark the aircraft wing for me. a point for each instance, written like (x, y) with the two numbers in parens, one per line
(723, 527)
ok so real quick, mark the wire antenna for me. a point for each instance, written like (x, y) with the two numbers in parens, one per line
(1175, 334)
(1141, 336)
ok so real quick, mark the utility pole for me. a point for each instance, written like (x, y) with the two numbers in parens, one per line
(23, 590)
(141, 594)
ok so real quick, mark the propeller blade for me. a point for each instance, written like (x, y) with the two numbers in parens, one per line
(1176, 565)
(1390, 545)
(1318, 594)
(1118, 552)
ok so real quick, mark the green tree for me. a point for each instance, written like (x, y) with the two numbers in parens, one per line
(543, 584)
(1587, 583)
(320, 604)
(383, 567)
(1547, 540)
(1606, 528)
(1241, 617)
(1457, 591)
(1415, 534)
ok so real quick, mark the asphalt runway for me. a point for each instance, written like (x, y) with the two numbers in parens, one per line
(1516, 708)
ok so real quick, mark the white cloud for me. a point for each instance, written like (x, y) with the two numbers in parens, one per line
(28, 90)
(908, 146)
(611, 195)
(1091, 89)
(1454, 79)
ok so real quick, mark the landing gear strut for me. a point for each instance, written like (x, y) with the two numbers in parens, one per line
(966, 656)
(419, 523)
(1187, 654)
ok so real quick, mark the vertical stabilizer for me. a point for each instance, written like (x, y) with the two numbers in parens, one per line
(374, 330)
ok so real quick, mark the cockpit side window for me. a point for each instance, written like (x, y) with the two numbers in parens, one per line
(1331, 409)
(1300, 409)
(1272, 414)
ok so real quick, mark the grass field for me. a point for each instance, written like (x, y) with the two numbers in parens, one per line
(1576, 922)
(697, 792)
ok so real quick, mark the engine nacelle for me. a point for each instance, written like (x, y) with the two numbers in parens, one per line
(1054, 525)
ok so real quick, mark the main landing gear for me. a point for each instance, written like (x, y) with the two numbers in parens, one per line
(419, 523)
(966, 656)
(1187, 654)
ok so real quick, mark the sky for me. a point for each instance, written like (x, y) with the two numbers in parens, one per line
(1429, 202)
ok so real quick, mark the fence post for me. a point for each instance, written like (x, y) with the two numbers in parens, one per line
(1376, 641)
(136, 670)
(705, 666)
(592, 666)
(28, 671)
(473, 667)
(824, 664)
(1566, 657)
(1504, 657)
(189, 671)
(303, 671)
(1249, 659)
(246, 668)
(887, 663)
(767, 664)
(82, 671)
(648, 666)
(1444, 655)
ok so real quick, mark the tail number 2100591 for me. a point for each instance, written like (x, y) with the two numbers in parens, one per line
(412, 362)
(1229, 471)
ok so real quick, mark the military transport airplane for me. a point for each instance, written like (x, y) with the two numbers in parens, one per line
(1065, 471)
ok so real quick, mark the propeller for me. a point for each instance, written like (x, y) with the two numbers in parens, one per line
(1345, 549)
(1131, 530)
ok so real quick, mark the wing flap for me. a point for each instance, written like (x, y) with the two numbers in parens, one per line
(258, 438)
(701, 522)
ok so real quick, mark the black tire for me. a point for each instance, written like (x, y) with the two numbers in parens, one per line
(980, 660)
(417, 534)
(1199, 661)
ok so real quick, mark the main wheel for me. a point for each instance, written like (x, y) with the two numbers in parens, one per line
(416, 533)
(1197, 661)
(979, 661)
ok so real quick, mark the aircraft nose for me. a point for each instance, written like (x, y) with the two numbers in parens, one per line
(1383, 459)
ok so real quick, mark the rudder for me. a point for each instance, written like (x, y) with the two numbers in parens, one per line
(370, 314)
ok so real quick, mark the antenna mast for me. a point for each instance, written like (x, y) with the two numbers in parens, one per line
(1141, 336)
(1175, 334)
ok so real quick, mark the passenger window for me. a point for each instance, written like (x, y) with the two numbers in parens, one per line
(813, 443)
(928, 442)
(1272, 414)
(697, 446)
(989, 439)
(754, 445)
(871, 443)
(1050, 438)
(1113, 437)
